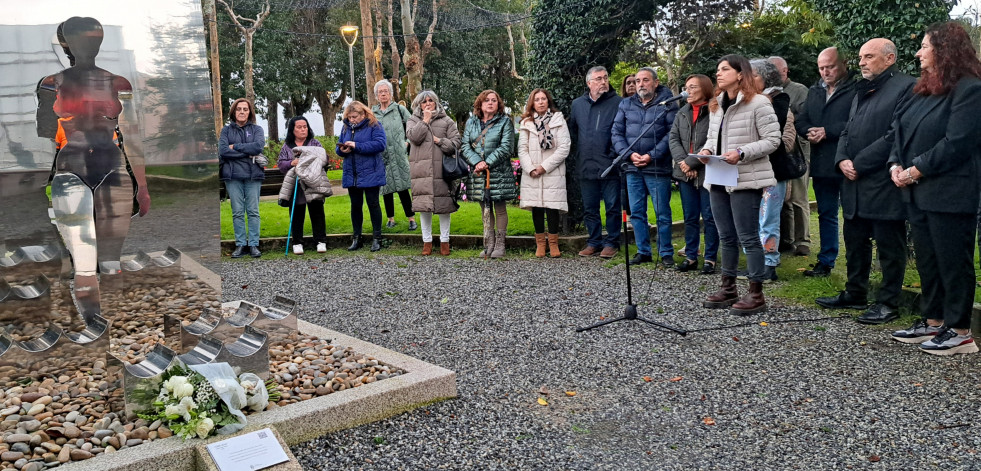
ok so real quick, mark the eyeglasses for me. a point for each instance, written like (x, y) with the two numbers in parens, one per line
(603, 78)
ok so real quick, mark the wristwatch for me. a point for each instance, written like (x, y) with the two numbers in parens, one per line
(741, 154)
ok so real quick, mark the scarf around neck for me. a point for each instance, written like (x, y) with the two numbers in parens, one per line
(544, 133)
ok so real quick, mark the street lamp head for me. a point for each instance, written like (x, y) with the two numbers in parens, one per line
(350, 34)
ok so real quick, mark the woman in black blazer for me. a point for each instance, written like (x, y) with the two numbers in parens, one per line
(937, 161)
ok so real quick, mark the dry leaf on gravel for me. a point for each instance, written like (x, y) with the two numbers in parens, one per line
(708, 421)
(542, 401)
(647, 379)
(570, 393)
(676, 379)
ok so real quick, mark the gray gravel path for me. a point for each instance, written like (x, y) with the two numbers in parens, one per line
(827, 394)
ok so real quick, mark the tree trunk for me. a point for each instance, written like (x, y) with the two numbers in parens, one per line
(211, 17)
(369, 52)
(415, 53)
(396, 58)
(249, 86)
(329, 108)
(272, 117)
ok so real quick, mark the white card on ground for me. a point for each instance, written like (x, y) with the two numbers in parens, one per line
(251, 451)
(720, 172)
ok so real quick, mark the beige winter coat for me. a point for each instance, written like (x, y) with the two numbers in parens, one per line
(430, 193)
(546, 191)
(753, 128)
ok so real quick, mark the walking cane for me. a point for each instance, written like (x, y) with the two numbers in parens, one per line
(296, 185)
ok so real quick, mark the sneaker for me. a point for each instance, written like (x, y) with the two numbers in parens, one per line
(608, 252)
(949, 342)
(589, 251)
(298, 249)
(770, 274)
(708, 268)
(667, 261)
(390, 224)
(321, 247)
(918, 333)
(412, 225)
(688, 265)
(819, 270)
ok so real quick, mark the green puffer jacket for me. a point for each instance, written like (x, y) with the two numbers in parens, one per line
(496, 148)
(395, 156)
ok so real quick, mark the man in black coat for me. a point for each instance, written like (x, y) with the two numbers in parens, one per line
(871, 203)
(590, 123)
(822, 120)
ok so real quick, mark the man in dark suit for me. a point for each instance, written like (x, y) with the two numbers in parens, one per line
(872, 205)
(822, 119)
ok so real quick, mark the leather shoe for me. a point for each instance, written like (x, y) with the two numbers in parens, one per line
(687, 265)
(640, 258)
(375, 244)
(589, 251)
(844, 300)
(819, 270)
(667, 261)
(254, 252)
(239, 251)
(878, 314)
(355, 243)
(609, 252)
(802, 251)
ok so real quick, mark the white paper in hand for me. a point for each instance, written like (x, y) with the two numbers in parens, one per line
(720, 172)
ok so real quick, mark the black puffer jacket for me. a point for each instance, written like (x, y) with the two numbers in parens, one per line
(238, 163)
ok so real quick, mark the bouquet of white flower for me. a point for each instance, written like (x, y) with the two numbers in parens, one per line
(206, 399)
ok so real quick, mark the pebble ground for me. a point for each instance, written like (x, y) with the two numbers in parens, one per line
(804, 391)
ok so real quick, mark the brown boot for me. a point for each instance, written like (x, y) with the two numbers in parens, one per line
(444, 248)
(726, 296)
(752, 302)
(427, 248)
(540, 245)
(553, 246)
(499, 239)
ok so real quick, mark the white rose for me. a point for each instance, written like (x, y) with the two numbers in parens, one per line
(174, 381)
(183, 390)
(176, 409)
(204, 427)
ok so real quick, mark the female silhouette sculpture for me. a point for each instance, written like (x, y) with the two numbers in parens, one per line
(92, 189)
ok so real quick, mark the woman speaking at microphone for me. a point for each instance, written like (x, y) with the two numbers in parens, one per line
(743, 129)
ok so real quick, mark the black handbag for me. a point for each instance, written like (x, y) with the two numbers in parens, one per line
(790, 165)
(455, 166)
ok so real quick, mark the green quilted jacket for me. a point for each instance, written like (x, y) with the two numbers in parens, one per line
(395, 156)
(496, 148)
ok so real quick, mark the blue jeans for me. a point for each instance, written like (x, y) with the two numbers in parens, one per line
(244, 196)
(695, 202)
(607, 191)
(639, 185)
(770, 207)
(827, 192)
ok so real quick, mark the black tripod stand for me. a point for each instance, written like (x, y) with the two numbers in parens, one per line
(630, 311)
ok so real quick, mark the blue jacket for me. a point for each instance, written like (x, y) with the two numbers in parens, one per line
(237, 164)
(363, 167)
(589, 123)
(631, 120)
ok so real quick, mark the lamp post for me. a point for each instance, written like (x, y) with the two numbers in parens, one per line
(350, 35)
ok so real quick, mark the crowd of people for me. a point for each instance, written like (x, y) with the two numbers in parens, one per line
(880, 147)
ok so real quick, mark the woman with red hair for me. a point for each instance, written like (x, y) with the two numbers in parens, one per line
(936, 160)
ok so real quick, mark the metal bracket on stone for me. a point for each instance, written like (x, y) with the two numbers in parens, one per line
(279, 320)
(56, 352)
(31, 253)
(248, 354)
(38, 287)
(134, 385)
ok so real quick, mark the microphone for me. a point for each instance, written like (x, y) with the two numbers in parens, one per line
(683, 95)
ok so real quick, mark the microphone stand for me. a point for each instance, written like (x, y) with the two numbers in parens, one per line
(630, 311)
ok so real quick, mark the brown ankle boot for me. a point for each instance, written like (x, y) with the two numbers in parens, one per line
(540, 245)
(752, 302)
(444, 248)
(726, 296)
(553, 246)
(427, 248)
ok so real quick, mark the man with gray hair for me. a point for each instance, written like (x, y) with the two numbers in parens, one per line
(871, 204)
(795, 219)
(590, 122)
(649, 165)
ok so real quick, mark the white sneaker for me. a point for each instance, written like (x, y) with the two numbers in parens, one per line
(321, 247)
(298, 249)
